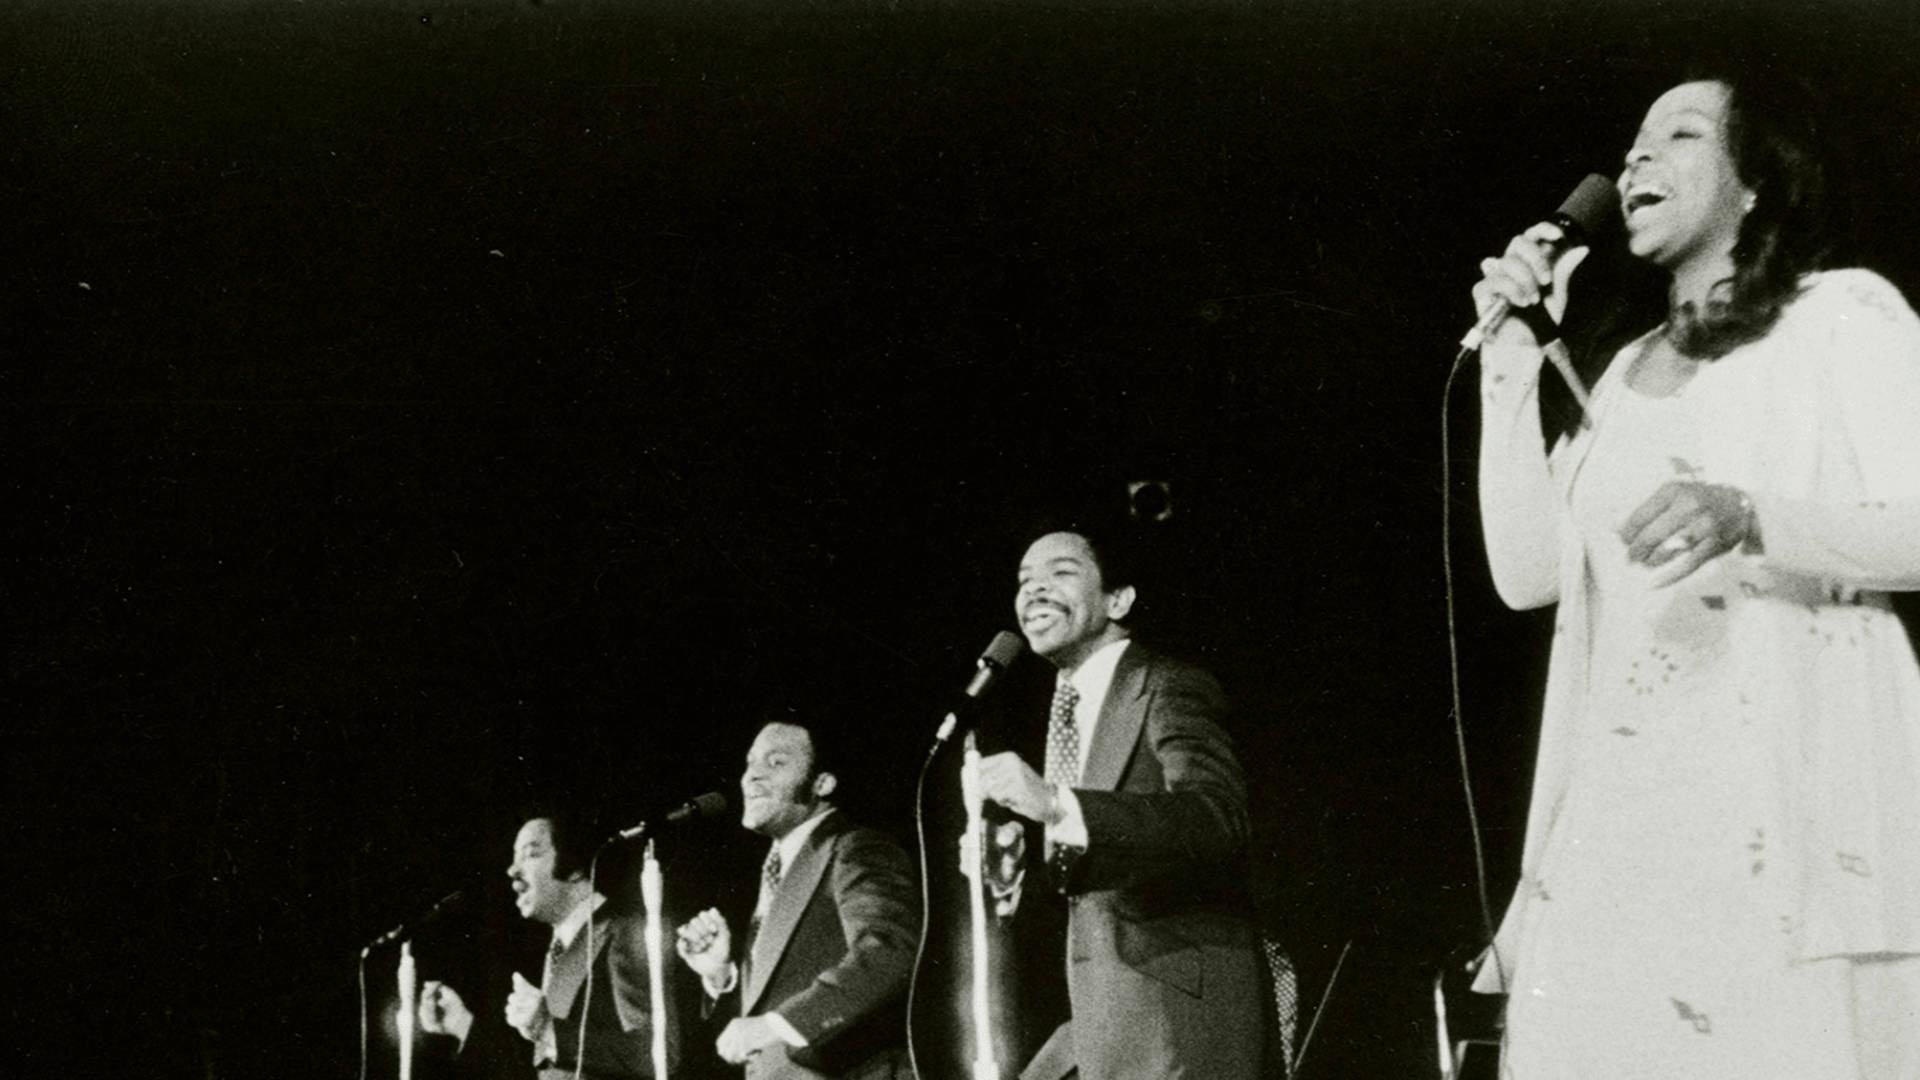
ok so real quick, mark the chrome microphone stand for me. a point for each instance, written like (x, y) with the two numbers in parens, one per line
(985, 1066)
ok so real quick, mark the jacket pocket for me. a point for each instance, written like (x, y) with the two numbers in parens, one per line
(1161, 953)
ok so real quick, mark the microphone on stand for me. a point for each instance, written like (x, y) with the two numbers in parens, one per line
(1000, 654)
(407, 928)
(652, 887)
(712, 804)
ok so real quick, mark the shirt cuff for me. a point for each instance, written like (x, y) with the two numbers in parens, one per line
(785, 1030)
(1071, 829)
(547, 1047)
(726, 986)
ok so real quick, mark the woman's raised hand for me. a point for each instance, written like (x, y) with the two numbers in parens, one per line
(1532, 271)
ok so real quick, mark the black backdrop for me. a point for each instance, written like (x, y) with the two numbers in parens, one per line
(414, 405)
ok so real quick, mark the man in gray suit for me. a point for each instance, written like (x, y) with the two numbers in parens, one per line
(821, 977)
(1145, 809)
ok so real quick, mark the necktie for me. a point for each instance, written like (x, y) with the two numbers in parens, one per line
(546, 1045)
(769, 881)
(1063, 766)
(1063, 737)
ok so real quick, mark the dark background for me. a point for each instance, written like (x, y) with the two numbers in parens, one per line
(414, 406)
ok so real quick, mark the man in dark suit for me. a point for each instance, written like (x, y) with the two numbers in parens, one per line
(821, 974)
(1145, 809)
(551, 886)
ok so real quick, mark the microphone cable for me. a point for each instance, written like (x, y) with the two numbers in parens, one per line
(926, 903)
(1453, 647)
(364, 1007)
(1589, 207)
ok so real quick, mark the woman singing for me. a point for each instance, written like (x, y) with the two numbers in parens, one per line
(1721, 875)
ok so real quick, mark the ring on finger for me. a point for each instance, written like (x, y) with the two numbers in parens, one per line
(1679, 542)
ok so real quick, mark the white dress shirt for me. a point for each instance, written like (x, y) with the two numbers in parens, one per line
(789, 847)
(1092, 679)
(547, 1047)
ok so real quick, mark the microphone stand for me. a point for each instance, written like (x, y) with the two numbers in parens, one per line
(650, 893)
(405, 1020)
(1005, 648)
(985, 1067)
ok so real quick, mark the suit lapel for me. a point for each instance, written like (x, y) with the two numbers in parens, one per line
(570, 967)
(1121, 716)
(796, 889)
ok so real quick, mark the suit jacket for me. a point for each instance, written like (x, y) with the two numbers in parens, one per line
(618, 1019)
(1162, 960)
(833, 957)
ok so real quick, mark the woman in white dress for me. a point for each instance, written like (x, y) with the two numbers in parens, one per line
(1721, 875)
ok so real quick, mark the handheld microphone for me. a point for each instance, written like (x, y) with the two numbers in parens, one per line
(1000, 653)
(407, 928)
(712, 804)
(1590, 206)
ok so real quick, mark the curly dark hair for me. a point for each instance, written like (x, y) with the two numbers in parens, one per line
(1775, 139)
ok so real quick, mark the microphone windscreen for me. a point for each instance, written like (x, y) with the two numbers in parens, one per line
(712, 804)
(1592, 204)
(1004, 650)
